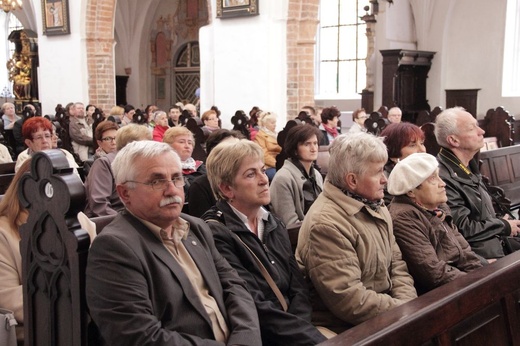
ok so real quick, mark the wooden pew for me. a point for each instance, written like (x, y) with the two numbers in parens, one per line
(7, 168)
(430, 142)
(376, 123)
(195, 126)
(240, 121)
(502, 167)
(5, 181)
(499, 123)
(481, 308)
(54, 253)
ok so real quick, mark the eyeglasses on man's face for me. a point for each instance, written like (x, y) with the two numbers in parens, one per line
(162, 184)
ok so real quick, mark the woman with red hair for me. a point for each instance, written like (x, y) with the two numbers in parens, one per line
(401, 140)
(37, 133)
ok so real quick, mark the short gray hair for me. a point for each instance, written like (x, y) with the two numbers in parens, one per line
(126, 164)
(446, 125)
(349, 153)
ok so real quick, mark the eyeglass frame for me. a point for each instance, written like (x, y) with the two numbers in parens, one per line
(42, 137)
(162, 184)
(108, 139)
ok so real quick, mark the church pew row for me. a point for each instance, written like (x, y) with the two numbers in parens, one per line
(482, 306)
(502, 167)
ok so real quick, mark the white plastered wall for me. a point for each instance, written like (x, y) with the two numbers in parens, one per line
(244, 62)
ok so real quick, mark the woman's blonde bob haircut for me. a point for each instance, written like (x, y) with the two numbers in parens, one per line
(225, 160)
(173, 132)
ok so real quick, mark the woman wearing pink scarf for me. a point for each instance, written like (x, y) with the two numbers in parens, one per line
(329, 125)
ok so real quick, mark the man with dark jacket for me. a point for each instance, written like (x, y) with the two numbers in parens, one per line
(154, 276)
(460, 138)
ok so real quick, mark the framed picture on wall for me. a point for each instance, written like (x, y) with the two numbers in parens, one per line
(236, 8)
(55, 19)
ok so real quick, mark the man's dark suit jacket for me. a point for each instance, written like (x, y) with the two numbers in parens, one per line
(138, 294)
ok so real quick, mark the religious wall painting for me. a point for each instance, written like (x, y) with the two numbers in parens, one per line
(55, 19)
(236, 8)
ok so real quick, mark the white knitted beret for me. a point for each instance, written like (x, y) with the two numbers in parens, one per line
(411, 172)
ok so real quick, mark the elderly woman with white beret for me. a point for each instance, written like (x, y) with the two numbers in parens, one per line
(433, 248)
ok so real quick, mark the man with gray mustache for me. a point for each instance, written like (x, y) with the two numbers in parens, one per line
(154, 276)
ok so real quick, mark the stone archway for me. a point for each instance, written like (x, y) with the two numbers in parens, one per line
(302, 25)
(100, 53)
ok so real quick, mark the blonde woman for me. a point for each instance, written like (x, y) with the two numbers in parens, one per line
(251, 238)
(266, 138)
(12, 216)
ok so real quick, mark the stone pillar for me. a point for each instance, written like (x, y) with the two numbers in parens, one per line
(367, 95)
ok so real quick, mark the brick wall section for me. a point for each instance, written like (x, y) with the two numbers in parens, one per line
(301, 33)
(100, 53)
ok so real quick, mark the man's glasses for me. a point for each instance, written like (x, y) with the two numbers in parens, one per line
(108, 139)
(162, 184)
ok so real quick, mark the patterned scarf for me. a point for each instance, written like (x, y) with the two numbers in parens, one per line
(374, 205)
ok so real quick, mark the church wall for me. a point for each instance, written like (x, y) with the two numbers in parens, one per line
(468, 38)
(474, 53)
(63, 65)
(244, 62)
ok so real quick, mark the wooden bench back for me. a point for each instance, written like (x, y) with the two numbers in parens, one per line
(7, 168)
(5, 181)
(502, 167)
(499, 123)
(54, 253)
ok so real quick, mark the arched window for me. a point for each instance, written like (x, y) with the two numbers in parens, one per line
(341, 50)
(511, 72)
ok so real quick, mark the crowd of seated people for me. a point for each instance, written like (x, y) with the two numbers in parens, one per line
(387, 223)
